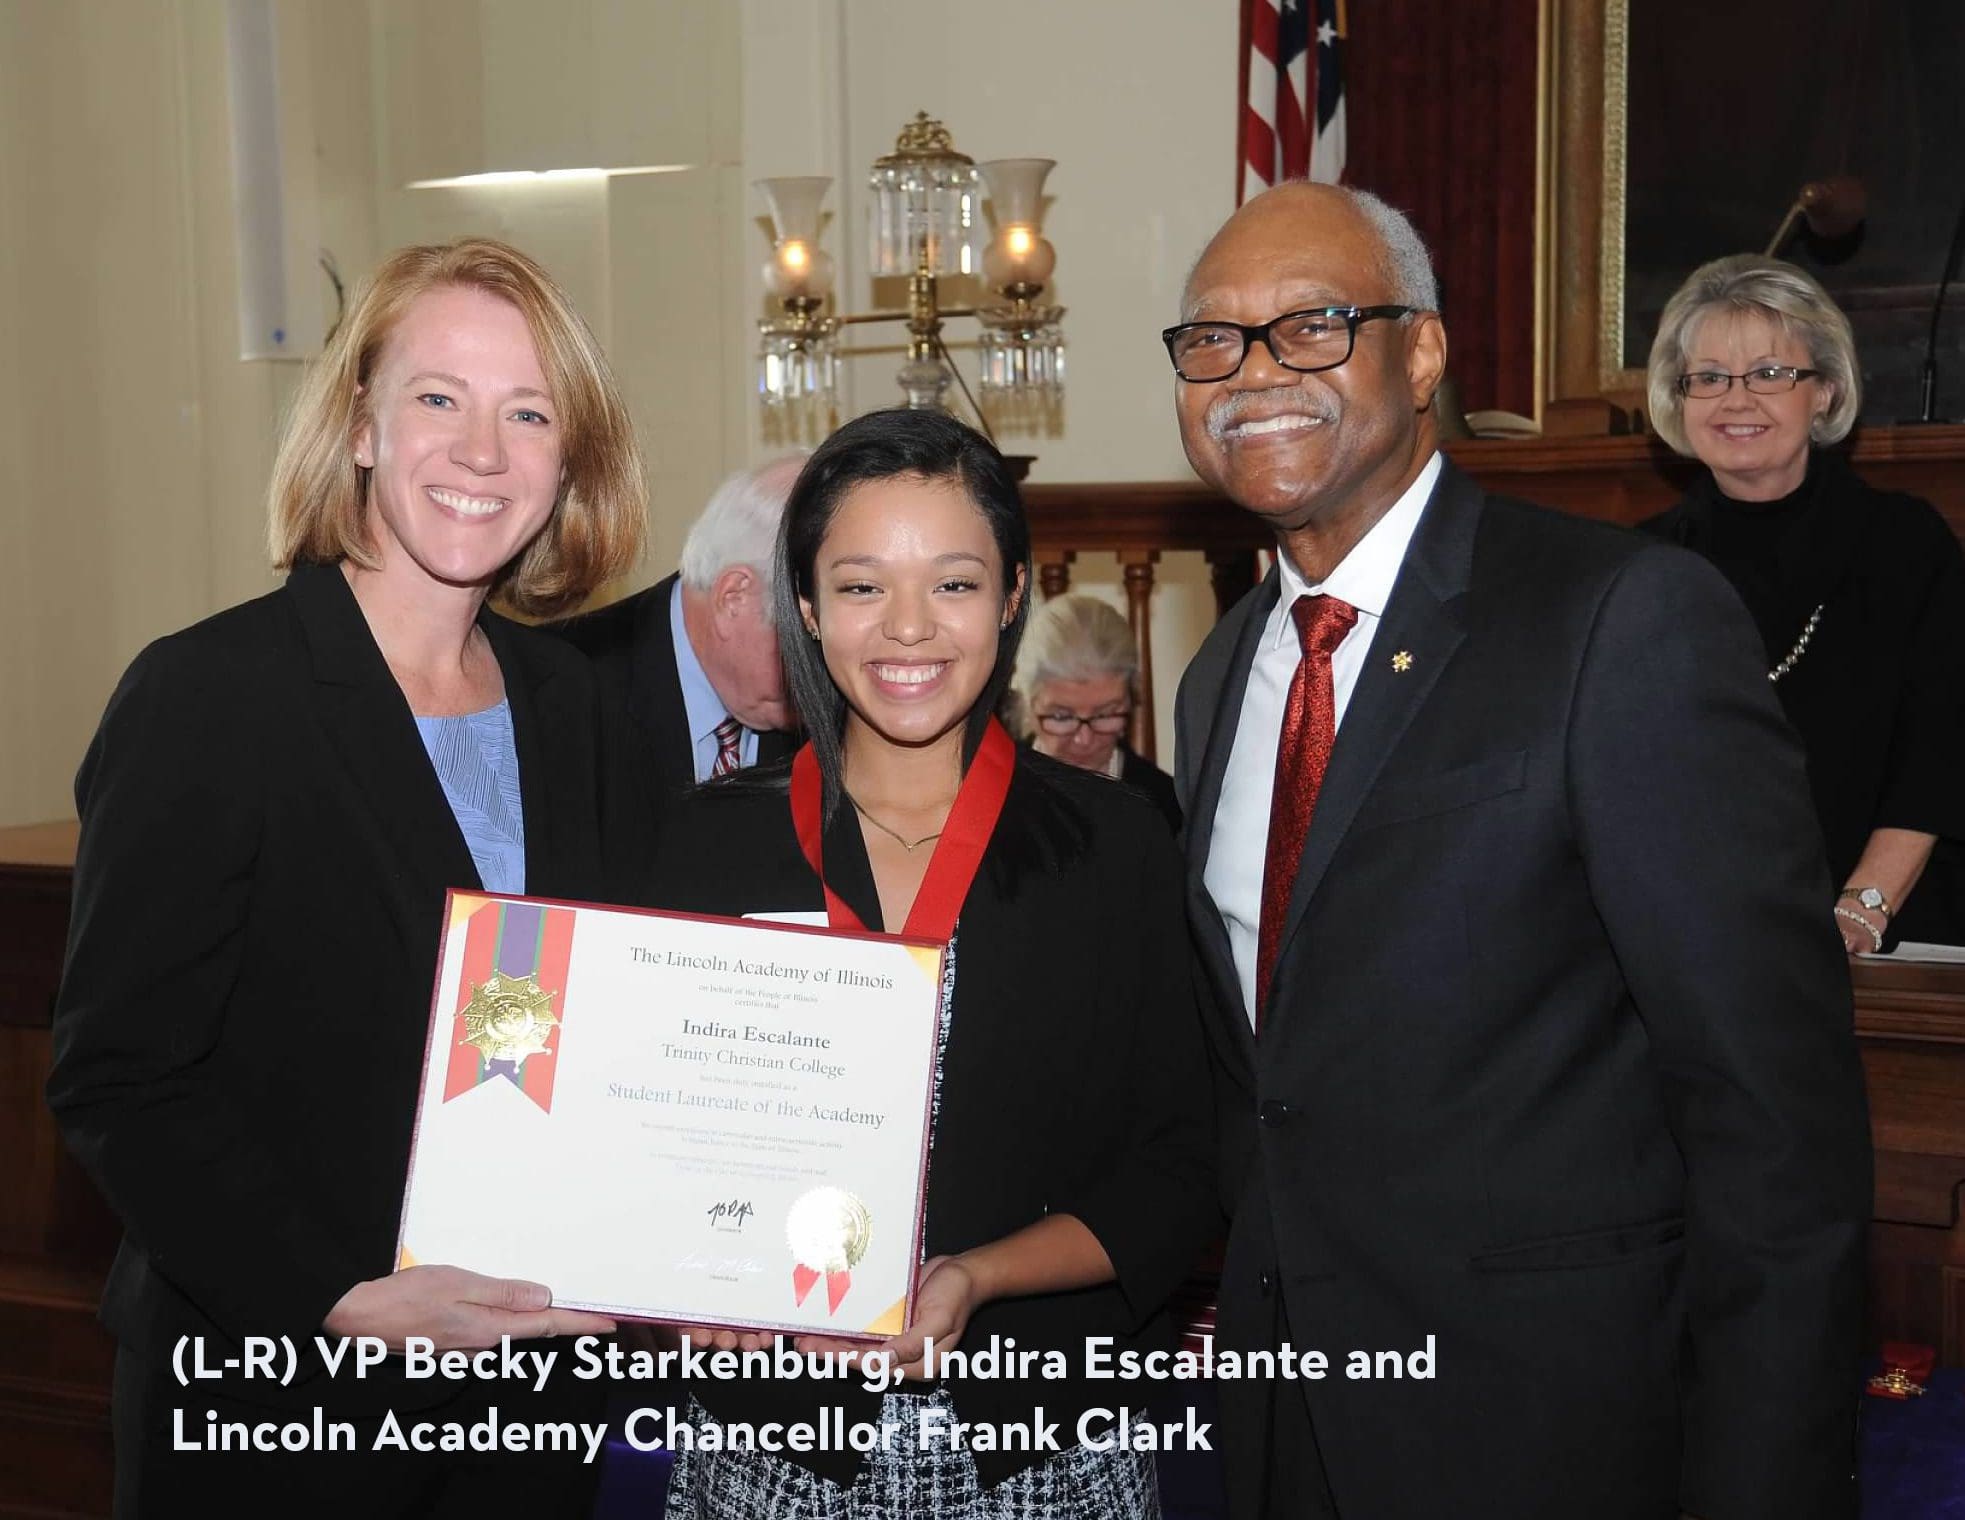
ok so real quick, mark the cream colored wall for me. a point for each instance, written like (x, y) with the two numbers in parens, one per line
(654, 261)
(135, 445)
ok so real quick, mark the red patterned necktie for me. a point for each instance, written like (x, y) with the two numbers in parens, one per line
(729, 747)
(1309, 731)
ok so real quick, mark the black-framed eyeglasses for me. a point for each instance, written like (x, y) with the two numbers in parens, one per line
(1305, 341)
(1060, 724)
(1767, 380)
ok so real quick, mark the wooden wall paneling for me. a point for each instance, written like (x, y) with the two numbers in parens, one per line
(56, 1234)
(1910, 1027)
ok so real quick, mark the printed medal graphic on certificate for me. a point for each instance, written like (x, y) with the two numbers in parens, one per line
(710, 1121)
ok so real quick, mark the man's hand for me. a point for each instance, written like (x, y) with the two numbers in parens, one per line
(455, 1309)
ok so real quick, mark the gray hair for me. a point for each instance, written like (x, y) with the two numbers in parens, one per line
(739, 526)
(1791, 299)
(1077, 638)
(1408, 267)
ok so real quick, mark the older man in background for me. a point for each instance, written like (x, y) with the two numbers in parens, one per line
(694, 658)
(1535, 1056)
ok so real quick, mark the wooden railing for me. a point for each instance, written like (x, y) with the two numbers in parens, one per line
(1622, 480)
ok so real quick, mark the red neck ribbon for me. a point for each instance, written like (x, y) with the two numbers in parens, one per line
(958, 853)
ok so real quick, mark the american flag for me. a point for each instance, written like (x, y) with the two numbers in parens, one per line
(1292, 54)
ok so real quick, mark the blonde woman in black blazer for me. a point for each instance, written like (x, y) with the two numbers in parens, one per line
(264, 852)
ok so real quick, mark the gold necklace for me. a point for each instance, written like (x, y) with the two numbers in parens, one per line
(910, 848)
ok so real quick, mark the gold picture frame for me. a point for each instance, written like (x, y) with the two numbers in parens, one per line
(1581, 162)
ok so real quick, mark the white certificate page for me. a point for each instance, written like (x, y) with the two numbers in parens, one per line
(674, 1118)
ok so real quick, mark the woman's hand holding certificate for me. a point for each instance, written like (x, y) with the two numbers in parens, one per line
(455, 1309)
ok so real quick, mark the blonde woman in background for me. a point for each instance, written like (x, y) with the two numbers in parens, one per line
(271, 811)
(1077, 686)
(1859, 594)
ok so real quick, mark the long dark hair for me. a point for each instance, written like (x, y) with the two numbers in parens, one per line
(880, 446)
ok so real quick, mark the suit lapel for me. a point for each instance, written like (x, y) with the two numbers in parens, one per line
(1425, 619)
(655, 691)
(1232, 1030)
(1225, 718)
(372, 734)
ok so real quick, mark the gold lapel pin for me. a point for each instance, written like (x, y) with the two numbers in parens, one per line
(1402, 661)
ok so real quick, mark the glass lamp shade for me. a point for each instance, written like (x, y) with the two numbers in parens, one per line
(796, 204)
(1016, 189)
(1018, 256)
(798, 271)
(926, 205)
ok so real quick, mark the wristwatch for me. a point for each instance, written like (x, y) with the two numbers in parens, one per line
(1870, 898)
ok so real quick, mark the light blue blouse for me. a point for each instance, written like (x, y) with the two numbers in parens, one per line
(477, 761)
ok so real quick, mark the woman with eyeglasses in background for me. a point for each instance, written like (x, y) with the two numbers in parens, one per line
(1078, 686)
(1858, 593)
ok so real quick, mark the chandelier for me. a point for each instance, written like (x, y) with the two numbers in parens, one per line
(924, 224)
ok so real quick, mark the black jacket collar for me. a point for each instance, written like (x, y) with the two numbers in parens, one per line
(368, 725)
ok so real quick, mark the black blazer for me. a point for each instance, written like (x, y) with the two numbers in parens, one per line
(1878, 697)
(1558, 1066)
(1152, 783)
(1072, 1076)
(632, 646)
(258, 892)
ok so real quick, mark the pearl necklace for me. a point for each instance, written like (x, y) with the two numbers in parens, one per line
(1800, 644)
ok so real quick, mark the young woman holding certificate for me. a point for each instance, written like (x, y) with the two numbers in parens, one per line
(1069, 1173)
(271, 811)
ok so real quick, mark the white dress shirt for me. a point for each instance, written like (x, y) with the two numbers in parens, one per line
(1240, 841)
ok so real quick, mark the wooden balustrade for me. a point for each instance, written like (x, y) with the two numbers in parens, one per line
(1621, 480)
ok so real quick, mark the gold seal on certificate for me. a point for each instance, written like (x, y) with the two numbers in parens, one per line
(696, 1119)
(509, 1018)
(827, 1229)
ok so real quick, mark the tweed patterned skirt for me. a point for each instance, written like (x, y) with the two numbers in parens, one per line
(906, 1483)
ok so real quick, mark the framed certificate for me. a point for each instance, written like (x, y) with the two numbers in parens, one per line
(665, 1117)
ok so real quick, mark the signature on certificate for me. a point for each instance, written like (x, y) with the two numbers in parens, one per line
(731, 1215)
(721, 1268)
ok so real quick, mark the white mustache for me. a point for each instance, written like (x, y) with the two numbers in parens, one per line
(1236, 407)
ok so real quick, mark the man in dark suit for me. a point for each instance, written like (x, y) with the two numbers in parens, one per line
(1533, 1047)
(694, 658)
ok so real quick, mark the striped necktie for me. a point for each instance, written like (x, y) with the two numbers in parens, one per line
(729, 747)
